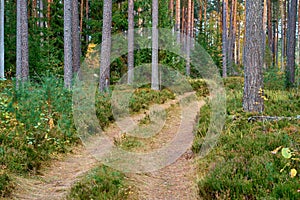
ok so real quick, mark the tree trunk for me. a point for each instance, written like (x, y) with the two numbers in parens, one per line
(106, 46)
(75, 37)
(188, 35)
(130, 41)
(49, 12)
(87, 17)
(224, 38)
(41, 14)
(81, 15)
(24, 41)
(291, 43)
(253, 85)
(265, 12)
(299, 33)
(68, 44)
(200, 16)
(270, 32)
(193, 19)
(155, 74)
(282, 34)
(177, 21)
(19, 45)
(34, 8)
(171, 8)
(2, 39)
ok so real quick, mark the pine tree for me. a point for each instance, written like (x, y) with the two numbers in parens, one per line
(1, 39)
(105, 46)
(154, 79)
(68, 43)
(130, 41)
(291, 43)
(253, 59)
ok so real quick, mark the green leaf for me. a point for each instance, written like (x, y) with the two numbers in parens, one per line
(286, 153)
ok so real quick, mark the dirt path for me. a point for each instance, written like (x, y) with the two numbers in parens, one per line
(173, 182)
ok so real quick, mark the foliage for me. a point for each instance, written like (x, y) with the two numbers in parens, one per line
(101, 183)
(5, 184)
(242, 165)
(36, 122)
(274, 79)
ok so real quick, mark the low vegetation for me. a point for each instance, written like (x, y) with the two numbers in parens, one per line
(253, 159)
(248, 162)
(37, 123)
(102, 183)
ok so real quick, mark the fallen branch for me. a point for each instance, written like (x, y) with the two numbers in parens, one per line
(271, 118)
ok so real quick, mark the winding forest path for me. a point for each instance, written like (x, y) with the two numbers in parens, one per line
(176, 181)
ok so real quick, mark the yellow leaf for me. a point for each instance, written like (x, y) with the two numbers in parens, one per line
(293, 173)
(275, 151)
(51, 123)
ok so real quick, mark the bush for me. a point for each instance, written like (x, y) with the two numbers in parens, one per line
(5, 184)
(36, 122)
(101, 183)
(242, 166)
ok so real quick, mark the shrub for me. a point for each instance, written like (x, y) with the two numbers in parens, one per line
(101, 183)
(242, 165)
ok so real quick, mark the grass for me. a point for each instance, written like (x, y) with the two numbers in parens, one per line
(242, 166)
(36, 123)
(102, 183)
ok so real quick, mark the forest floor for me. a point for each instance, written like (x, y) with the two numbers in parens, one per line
(176, 181)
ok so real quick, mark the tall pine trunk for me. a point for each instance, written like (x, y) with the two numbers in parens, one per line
(188, 35)
(105, 46)
(22, 42)
(177, 20)
(1, 39)
(253, 85)
(75, 37)
(291, 43)
(130, 59)
(224, 38)
(155, 73)
(68, 44)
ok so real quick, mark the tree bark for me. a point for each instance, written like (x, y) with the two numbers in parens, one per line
(106, 46)
(253, 85)
(299, 33)
(49, 12)
(291, 43)
(270, 30)
(75, 37)
(68, 62)
(130, 41)
(224, 38)
(81, 15)
(2, 39)
(19, 45)
(24, 41)
(171, 8)
(87, 17)
(41, 14)
(188, 35)
(177, 20)
(155, 74)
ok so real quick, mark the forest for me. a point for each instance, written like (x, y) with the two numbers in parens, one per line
(149, 99)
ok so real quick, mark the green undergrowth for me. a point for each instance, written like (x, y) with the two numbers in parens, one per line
(36, 123)
(101, 183)
(242, 165)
